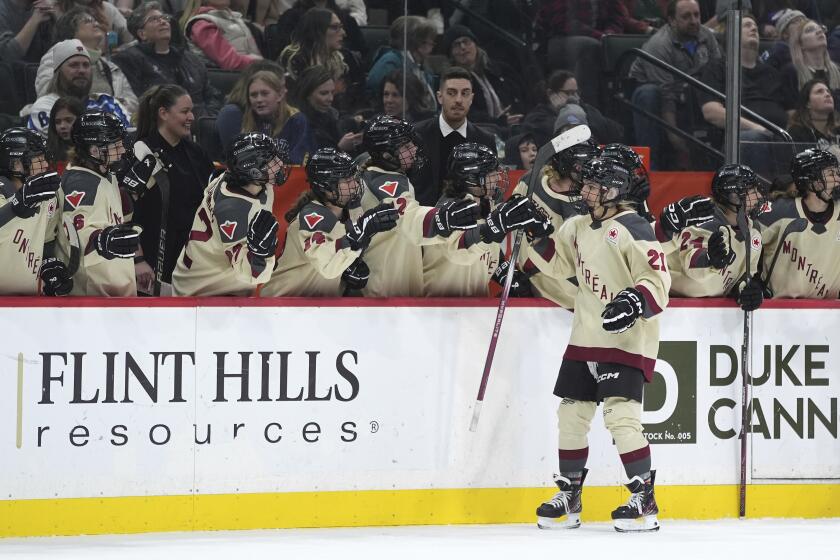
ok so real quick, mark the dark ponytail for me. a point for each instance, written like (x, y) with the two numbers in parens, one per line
(150, 102)
(304, 199)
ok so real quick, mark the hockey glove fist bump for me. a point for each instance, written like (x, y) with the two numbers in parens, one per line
(621, 313)
(356, 275)
(456, 214)
(381, 218)
(35, 190)
(136, 177)
(262, 234)
(720, 255)
(750, 294)
(55, 277)
(688, 211)
(118, 242)
(520, 286)
(514, 213)
(541, 227)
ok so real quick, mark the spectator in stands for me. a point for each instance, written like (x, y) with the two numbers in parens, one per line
(26, 29)
(784, 22)
(267, 111)
(809, 60)
(290, 19)
(318, 41)
(72, 78)
(403, 105)
(62, 116)
(762, 92)
(80, 23)
(498, 96)
(108, 16)
(218, 35)
(415, 36)
(164, 126)
(688, 46)
(521, 150)
(316, 90)
(440, 134)
(229, 120)
(815, 119)
(560, 94)
(154, 60)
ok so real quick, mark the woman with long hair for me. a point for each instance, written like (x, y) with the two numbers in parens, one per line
(62, 116)
(219, 35)
(809, 60)
(290, 20)
(164, 125)
(109, 16)
(815, 119)
(268, 112)
(316, 92)
(405, 105)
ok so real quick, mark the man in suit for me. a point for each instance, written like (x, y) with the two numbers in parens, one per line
(442, 133)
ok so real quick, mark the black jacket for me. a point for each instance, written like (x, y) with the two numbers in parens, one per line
(188, 177)
(508, 87)
(541, 119)
(145, 68)
(427, 183)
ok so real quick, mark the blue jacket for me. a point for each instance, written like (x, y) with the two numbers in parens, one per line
(296, 132)
(386, 61)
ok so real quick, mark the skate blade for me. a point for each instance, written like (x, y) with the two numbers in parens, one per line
(639, 525)
(570, 521)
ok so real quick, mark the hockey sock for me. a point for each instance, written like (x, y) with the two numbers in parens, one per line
(572, 462)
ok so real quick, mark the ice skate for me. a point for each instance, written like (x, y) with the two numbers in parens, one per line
(639, 513)
(563, 510)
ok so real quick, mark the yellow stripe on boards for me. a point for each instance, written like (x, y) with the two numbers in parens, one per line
(91, 516)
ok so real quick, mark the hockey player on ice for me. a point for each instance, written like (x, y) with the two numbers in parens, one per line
(709, 260)
(29, 218)
(623, 285)
(230, 249)
(322, 251)
(800, 235)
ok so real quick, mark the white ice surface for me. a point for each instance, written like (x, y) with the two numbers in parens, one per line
(677, 540)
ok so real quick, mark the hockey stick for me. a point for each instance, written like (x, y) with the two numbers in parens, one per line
(743, 225)
(162, 180)
(75, 246)
(558, 144)
(359, 161)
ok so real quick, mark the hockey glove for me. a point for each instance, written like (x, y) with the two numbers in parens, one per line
(356, 275)
(262, 234)
(381, 218)
(117, 242)
(456, 214)
(55, 277)
(750, 294)
(137, 175)
(688, 211)
(541, 227)
(35, 190)
(719, 252)
(621, 313)
(515, 213)
(520, 286)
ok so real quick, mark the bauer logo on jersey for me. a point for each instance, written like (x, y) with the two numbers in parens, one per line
(612, 235)
(74, 198)
(389, 187)
(228, 228)
(313, 219)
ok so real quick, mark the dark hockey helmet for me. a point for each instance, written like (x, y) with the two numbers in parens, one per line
(259, 159)
(24, 145)
(474, 168)
(807, 171)
(733, 184)
(334, 177)
(640, 189)
(100, 129)
(569, 163)
(382, 138)
(608, 174)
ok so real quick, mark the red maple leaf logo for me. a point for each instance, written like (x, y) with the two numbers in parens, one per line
(389, 187)
(228, 228)
(313, 219)
(74, 198)
(612, 234)
(756, 242)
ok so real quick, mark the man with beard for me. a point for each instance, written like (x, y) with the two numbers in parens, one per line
(442, 133)
(72, 78)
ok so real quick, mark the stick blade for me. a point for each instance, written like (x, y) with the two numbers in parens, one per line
(571, 137)
(476, 414)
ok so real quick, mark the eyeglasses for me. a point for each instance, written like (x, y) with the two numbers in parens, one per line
(157, 19)
(336, 26)
(462, 43)
(86, 19)
(570, 91)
